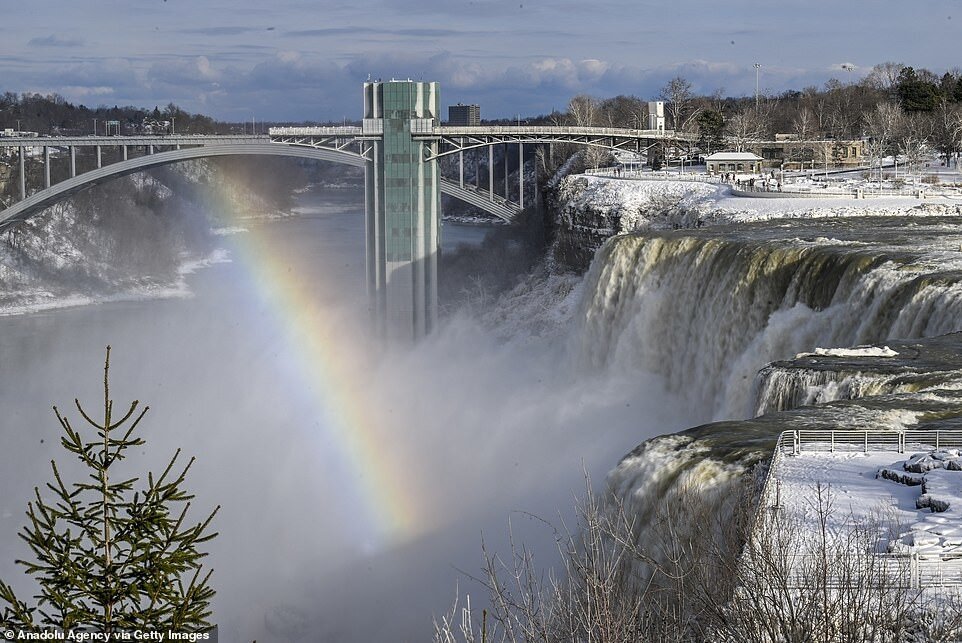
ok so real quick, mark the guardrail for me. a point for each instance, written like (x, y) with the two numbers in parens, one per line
(649, 175)
(339, 130)
(820, 440)
(921, 571)
(868, 440)
(784, 190)
(908, 571)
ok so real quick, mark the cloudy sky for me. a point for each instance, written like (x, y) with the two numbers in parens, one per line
(305, 59)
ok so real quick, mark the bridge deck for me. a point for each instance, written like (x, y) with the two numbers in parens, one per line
(171, 139)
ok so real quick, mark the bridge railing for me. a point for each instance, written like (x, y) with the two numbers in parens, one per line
(558, 130)
(341, 130)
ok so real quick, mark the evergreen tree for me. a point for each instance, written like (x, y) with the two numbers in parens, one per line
(711, 127)
(107, 556)
(915, 92)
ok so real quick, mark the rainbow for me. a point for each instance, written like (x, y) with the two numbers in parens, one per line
(331, 369)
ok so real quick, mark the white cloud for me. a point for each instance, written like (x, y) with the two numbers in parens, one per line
(73, 90)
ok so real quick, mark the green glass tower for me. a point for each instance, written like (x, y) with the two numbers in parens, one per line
(403, 206)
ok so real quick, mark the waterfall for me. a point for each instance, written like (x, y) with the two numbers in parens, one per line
(781, 388)
(706, 309)
(732, 317)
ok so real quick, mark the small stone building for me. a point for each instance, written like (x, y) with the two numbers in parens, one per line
(789, 153)
(739, 162)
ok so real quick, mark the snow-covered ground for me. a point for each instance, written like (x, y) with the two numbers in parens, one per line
(916, 497)
(716, 203)
(860, 351)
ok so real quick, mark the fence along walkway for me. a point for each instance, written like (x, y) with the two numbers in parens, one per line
(909, 569)
(785, 190)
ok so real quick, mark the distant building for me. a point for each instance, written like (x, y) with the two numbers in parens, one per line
(737, 162)
(628, 160)
(8, 132)
(464, 115)
(152, 126)
(656, 115)
(789, 153)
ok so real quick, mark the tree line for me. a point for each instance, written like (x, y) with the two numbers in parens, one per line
(53, 114)
(895, 108)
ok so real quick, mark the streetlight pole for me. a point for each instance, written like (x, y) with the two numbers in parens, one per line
(757, 67)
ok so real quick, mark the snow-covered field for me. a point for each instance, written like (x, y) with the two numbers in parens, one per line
(913, 499)
(633, 200)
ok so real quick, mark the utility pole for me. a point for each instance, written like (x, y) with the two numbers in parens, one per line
(757, 67)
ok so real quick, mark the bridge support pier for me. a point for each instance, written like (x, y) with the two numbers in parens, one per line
(403, 208)
(23, 174)
(491, 172)
(505, 150)
(46, 167)
(521, 175)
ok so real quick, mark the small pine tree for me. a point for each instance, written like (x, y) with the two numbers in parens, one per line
(109, 557)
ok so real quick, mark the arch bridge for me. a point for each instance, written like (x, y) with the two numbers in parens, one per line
(399, 146)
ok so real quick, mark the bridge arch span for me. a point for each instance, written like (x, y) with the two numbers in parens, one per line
(38, 201)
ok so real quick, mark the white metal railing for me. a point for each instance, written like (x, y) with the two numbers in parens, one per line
(868, 440)
(557, 130)
(909, 570)
(923, 571)
(372, 126)
(788, 189)
(340, 130)
(422, 125)
(650, 175)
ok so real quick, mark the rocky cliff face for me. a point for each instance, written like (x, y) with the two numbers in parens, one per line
(134, 234)
(587, 210)
(6, 175)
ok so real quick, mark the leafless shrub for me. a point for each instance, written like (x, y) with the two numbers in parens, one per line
(707, 568)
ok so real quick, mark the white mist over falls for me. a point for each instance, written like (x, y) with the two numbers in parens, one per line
(357, 481)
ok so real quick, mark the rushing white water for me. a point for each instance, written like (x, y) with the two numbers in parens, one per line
(708, 309)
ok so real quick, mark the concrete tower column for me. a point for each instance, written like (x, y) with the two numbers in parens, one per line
(403, 206)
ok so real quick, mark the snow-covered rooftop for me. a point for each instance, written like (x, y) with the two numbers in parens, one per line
(733, 156)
